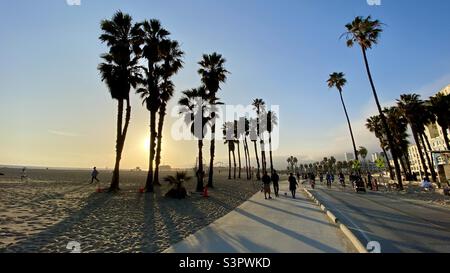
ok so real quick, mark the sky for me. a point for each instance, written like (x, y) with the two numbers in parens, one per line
(55, 111)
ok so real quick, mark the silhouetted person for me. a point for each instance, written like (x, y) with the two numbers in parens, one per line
(94, 175)
(329, 180)
(276, 180)
(321, 178)
(369, 181)
(342, 179)
(292, 184)
(24, 174)
(266, 182)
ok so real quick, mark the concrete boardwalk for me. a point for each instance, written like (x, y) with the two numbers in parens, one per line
(280, 225)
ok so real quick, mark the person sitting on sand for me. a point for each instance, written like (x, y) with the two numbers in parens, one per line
(94, 175)
(292, 184)
(266, 181)
(275, 180)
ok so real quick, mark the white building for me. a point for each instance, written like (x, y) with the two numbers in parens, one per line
(435, 135)
(349, 156)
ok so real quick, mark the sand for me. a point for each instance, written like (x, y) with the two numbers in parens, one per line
(55, 207)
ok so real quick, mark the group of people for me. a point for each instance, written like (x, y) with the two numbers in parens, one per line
(266, 180)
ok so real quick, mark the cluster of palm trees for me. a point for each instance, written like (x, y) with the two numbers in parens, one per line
(390, 125)
(417, 114)
(131, 44)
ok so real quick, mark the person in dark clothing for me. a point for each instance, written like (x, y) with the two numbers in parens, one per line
(292, 184)
(329, 180)
(94, 175)
(275, 180)
(321, 178)
(369, 181)
(266, 182)
(342, 179)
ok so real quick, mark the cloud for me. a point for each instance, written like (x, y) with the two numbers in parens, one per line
(65, 134)
(73, 2)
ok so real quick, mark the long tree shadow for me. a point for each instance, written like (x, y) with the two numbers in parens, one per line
(294, 235)
(35, 243)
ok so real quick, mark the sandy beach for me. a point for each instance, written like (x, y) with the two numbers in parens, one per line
(55, 207)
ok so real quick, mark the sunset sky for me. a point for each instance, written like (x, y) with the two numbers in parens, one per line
(55, 111)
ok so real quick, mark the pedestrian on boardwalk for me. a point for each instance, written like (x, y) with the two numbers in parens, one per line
(94, 175)
(369, 181)
(275, 181)
(342, 179)
(266, 182)
(292, 184)
(24, 175)
(328, 180)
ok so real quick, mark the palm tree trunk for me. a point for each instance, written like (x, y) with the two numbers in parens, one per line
(258, 176)
(424, 139)
(229, 161)
(446, 140)
(150, 183)
(419, 148)
(212, 154)
(239, 158)
(248, 157)
(200, 172)
(162, 115)
(234, 164)
(349, 126)
(245, 157)
(119, 146)
(384, 122)
(263, 155)
(270, 153)
(391, 172)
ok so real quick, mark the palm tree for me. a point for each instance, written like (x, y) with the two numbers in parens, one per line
(227, 130)
(365, 32)
(363, 152)
(259, 106)
(194, 108)
(374, 125)
(155, 39)
(410, 105)
(246, 128)
(440, 107)
(253, 128)
(213, 73)
(338, 80)
(172, 63)
(272, 120)
(238, 135)
(120, 71)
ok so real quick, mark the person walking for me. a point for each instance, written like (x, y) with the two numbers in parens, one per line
(94, 175)
(292, 184)
(369, 181)
(342, 179)
(328, 180)
(266, 185)
(275, 181)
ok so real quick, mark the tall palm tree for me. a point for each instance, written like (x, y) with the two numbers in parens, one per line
(172, 63)
(410, 105)
(374, 125)
(259, 106)
(213, 73)
(338, 80)
(398, 126)
(365, 32)
(272, 120)
(440, 107)
(155, 38)
(253, 124)
(194, 108)
(238, 135)
(228, 131)
(120, 71)
(246, 134)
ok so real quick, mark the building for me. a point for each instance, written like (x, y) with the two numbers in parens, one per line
(435, 136)
(349, 156)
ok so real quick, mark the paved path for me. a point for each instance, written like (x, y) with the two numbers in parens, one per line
(398, 225)
(280, 225)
